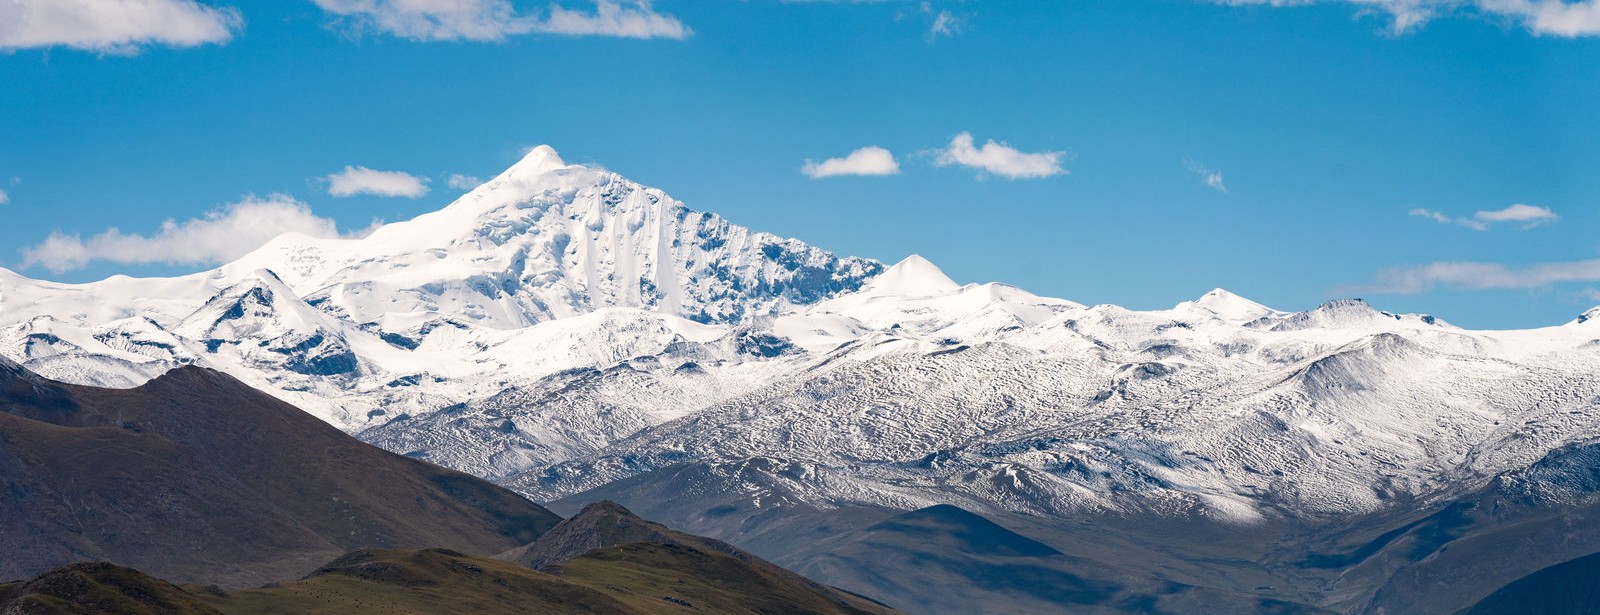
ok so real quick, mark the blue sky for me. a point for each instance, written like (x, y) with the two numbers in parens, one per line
(1292, 154)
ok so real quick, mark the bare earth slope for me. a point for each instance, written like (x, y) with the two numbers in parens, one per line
(195, 477)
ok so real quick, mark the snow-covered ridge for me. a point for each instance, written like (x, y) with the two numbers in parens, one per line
(560, 327)
(546, 240)
(542, 242)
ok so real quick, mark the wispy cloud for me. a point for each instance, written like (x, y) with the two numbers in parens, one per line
(1000, 159)
(1210, 178)
(221, 235)
(870, 160)
(4, 198)
(1541, 17)
(1476, 276)
(1528, 216)
(493, 20)
(113, 26)
(1436, 216)
(361, 180)
(944, 24)
(463, 182)
(941, 22)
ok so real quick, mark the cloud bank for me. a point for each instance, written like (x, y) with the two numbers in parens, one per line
(494, 20)
(113, 26)
(361, 180)
(220, 236)
(870, 160)
(1000, 159)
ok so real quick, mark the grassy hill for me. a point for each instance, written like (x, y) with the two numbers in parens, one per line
(636, 578)
(98, 589)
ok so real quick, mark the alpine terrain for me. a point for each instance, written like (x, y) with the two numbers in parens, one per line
(575, 336)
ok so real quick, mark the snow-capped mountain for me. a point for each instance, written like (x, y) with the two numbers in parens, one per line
(449, 301)
(561, 328)
(545, 240)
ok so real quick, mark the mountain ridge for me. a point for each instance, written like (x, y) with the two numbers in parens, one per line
(576, 333)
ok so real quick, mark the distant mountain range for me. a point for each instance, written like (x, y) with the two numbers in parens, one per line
(574, 336)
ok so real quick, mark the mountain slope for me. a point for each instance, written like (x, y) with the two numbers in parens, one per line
(605, 525)
(197, 478)
(943, 559)
(627, 579)
(1567, 588)
(98, 589)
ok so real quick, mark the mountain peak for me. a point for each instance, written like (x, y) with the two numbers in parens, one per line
(605, 508)
(599, 525)
(538, 161)
(266, 278)
(1232, 307)
(913, 276)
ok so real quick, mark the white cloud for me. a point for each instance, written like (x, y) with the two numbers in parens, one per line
(4, 198)
(463, 182)
(1000, 159)
(613, 19)
(222, 235)
(1541, 17)
(428, 19)
(1569, 19)
(1436, 216)
(870, 160)
(1211, 178)
(493, 20)
(113, 26)
(1479, 276)
(1530, 216)
(361, 180)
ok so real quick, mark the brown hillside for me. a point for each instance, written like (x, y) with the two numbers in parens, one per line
(195, 477)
